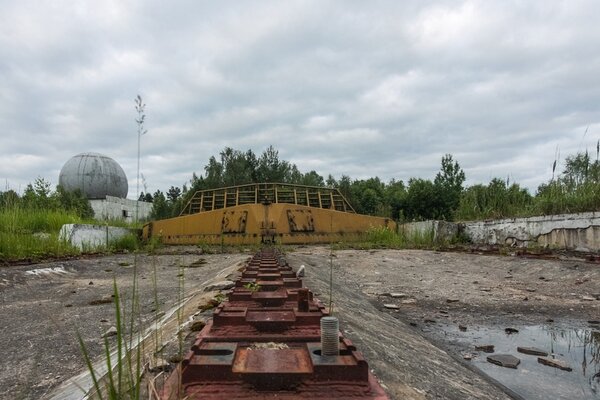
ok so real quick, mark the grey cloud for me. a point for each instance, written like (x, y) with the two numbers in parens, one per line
(380, 88)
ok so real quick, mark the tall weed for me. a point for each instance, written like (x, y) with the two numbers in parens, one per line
(123, 364)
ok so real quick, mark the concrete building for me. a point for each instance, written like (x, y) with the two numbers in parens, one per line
(102, 180)
(113, 207)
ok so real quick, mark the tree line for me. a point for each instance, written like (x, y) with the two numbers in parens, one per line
(39, 195)
(445, 197)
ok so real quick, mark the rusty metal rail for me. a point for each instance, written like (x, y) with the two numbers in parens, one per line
(264, 342)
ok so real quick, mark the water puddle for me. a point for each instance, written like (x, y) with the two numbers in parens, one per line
(579, 348)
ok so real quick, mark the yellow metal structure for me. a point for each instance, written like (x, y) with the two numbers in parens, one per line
(259, 213)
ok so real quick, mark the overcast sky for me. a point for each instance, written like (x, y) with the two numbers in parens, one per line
(361, 88)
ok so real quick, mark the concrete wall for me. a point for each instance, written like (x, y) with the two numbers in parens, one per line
(120, 209)
(580, 232)
(87, 237)
(565, 231)
(441, 230)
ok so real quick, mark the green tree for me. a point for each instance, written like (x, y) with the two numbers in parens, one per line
(38, 195)
(421, 200)
(238, 167)
(9, 199)
(331, 182)
(367, 196)
(214, 173)
(173, 194)
(160, 207)
(312, 178)
(395, 199)
(448, 184)
(74, 201)
(271, 168)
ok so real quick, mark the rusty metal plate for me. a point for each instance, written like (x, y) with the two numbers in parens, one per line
(234, 221)
(275, 294)
(300, 221)
(271, 361)
(270, 316)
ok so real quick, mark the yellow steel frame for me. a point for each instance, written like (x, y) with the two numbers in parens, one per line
(287, 214)
(263, 193)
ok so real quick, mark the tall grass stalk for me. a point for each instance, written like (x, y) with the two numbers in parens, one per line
(331, 281)
(180, 313)
(124, 375)
(157, 330)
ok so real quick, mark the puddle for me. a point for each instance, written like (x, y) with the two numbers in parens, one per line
(580, 348)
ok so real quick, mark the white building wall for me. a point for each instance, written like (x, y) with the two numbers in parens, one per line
(113, 208)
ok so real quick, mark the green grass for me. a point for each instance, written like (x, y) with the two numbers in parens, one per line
(20, 220)
(128, 242)
(28, 246)
(385, 238)
(498, 199)
(32, 234)
(559, 199)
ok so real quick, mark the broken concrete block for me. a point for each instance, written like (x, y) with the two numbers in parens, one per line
(553, 362)
(504, 360)
(532, 351)
(112, 331)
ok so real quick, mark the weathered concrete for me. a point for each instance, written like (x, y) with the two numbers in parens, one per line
(407, 365)
(88, 237)
(95, 175)
(566, 231)
(580, 232)
(116, 208)
(441, 230)
(504, 360)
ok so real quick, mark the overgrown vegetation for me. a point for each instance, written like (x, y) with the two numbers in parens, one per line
(30, 223)
(415, 239)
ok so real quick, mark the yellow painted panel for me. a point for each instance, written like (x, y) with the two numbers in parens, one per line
(253, 223)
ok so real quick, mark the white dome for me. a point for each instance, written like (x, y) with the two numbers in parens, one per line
(96, 175)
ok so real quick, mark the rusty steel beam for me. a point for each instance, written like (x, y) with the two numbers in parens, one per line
(264, 342)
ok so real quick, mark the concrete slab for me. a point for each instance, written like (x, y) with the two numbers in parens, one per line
(86, 237)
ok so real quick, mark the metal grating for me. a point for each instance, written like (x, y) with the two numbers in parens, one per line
(267, 193)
